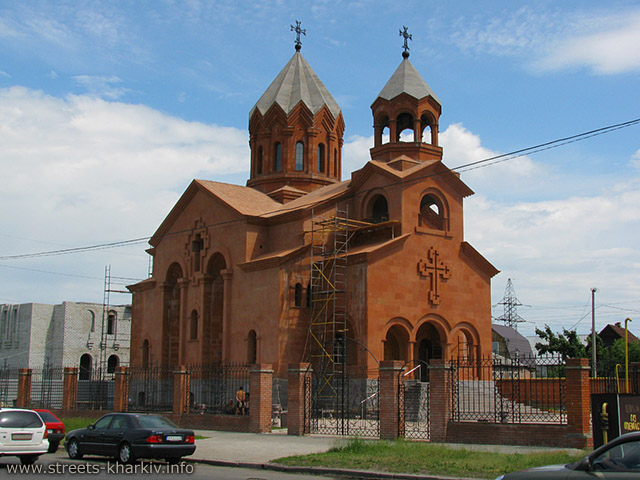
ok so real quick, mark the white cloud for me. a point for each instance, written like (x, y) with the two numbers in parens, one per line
(611, 48)
(101, 86)
(80, 171)
(635, 160)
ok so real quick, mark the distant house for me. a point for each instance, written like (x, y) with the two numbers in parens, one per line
(611, 333)
(35, 335)
(509, 343)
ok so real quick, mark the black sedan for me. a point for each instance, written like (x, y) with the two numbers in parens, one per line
(618, 459)
(128, 436)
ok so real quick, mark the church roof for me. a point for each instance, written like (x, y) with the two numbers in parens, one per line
(406, 79)
(297, 82)
(245, 200)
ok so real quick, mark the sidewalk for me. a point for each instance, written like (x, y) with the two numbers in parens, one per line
(252, 450)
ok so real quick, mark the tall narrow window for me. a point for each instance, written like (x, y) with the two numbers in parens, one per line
(92, 320)
(112, 363)
(309, 295)
(85, 366)
(277, 157)
(193, 327)
(252, 347)
(259, 161)
(299, 156)
(111, 323)
(297, 296)
(320, 158)
(335, 162)
(197, 245)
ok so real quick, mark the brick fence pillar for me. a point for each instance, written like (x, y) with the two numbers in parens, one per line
(260, 397)
(24, 388)
(439, 399)
(181, 390)
(578, 390)
(121, 389)
(298, 421)
(390, 371)
(70, 388)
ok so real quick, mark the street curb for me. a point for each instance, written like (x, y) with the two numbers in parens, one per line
(364, 474)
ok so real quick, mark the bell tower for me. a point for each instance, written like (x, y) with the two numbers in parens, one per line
(295, 133)
(405, 117)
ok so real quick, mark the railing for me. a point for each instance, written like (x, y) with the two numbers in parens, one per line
(95, 390)
(611, 378)
(214, 387)
(498, 390)
(151, 389)
(47, 387)
(8, 386)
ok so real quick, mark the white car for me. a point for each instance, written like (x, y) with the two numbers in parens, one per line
(23, 434)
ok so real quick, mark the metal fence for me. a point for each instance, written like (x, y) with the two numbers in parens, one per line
(95, 390)
(8, 386)
(611, 378)
(47, 386)
(214, 387)
(498, 390)
(151, 389)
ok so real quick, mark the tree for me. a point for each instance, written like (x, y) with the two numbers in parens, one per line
(567, 344)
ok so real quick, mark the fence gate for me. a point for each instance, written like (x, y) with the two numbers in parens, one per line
(345, 405)
(413, 401)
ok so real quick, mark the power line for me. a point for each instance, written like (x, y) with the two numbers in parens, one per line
(461, 168)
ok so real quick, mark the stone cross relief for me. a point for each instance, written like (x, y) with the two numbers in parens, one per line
(434, 268)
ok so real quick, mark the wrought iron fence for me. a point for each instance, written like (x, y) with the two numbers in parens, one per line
(47, 386)
(214, 387)
(611, 377)
(346, 405)
(519, 390)
(8, 386)
(95, 390)
(151, 389)
(413, 402)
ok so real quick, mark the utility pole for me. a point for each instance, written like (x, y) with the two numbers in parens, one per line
(510, 316)
(594, 366)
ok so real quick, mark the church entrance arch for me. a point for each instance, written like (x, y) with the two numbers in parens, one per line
(213, 309)
(396, 343)
(171, 321)
(428, 346)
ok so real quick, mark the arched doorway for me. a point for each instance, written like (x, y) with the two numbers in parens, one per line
(171, 310)
(429, 347)
(213, 309)
(396, 343)
(112, 363)
(86, 364)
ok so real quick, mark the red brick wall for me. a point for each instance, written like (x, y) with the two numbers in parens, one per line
(513, 434)
(261, 379)
(389, 381)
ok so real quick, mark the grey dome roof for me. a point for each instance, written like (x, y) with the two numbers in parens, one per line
(406, 79)
(297, 82)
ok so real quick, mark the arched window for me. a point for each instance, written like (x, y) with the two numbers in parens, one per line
(252, 347)
(432, 212)
(299, 156)
(297, 296)
(85, 366)
(277, 157)
(309, 295)
(112, 363)
(379, 210)
(92, 321)
(320, 158)
(111, 322)
(259, 161)
(335, 162)
(193, 326)
(145, 353)
(404, 128)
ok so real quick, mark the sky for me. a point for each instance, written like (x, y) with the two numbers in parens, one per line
(108, 110)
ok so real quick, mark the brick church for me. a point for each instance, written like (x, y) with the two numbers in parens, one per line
(233, 266)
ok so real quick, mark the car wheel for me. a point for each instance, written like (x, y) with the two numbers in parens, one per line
(125, 455)
(53, 447)
(28, 459)
(73, 449)
(173, 460)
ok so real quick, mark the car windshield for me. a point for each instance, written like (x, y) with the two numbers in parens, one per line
(48, 417)
(19, 419)
(153, 421)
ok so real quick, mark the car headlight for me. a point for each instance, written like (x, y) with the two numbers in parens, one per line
(500, 477)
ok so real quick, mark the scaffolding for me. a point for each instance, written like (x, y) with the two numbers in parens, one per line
(327, 348)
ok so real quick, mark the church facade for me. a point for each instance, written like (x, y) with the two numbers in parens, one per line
(232, 265)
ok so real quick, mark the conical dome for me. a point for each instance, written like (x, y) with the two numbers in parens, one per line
(297, 82)
(406, 79)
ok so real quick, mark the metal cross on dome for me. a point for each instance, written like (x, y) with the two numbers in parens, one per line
(298, 31)
(434, 268)
(407, 36)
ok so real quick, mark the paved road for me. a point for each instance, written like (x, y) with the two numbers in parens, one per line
(102, 469)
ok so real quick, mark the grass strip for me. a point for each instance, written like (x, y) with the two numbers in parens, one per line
(402, 456)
